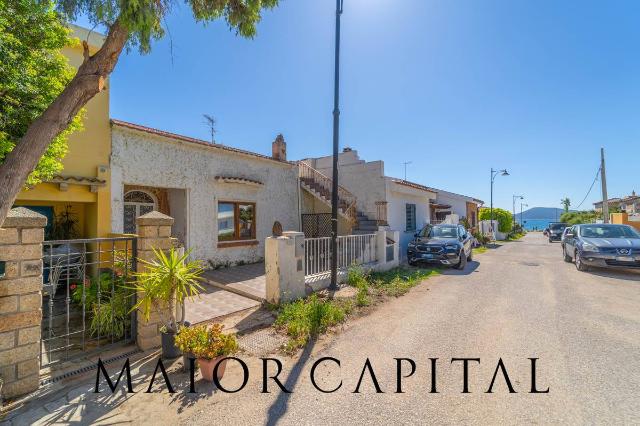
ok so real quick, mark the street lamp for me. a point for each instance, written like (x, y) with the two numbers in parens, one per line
(514, 198)
(494, 173)
(521, 220)
(336, 136)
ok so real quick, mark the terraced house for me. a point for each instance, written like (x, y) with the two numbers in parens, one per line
(224, 200)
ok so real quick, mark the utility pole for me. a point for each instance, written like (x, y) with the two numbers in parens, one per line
(603, 179)
(336, 136)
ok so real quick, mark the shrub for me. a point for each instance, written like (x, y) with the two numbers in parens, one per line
(206, 342)
(504, 217)
(307, 318)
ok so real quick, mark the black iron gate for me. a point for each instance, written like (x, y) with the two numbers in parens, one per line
(316, 225)
(87, 297)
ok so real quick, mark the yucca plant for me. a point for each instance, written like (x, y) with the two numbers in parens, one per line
(164, 283)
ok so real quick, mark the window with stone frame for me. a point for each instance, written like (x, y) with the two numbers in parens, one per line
(236, 221)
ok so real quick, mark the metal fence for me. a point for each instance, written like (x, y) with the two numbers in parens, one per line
(87, 298)
(352, 250)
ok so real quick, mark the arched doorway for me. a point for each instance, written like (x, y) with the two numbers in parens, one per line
(137, 203)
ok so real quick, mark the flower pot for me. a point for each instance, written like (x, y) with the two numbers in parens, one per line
(169, 349)
(207, 366)
(186, 356)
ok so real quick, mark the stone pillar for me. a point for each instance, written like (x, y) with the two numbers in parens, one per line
(284, 267)
(21, 239)
(154, 231)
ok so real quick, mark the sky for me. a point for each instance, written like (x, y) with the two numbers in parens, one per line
(456, 87)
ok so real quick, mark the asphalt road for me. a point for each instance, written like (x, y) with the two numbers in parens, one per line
(512, 303)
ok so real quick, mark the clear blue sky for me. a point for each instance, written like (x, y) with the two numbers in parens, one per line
(456, 87)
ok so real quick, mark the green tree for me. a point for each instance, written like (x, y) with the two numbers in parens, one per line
(566, 202)
(504, 217)
(33, 72)
(133, 23)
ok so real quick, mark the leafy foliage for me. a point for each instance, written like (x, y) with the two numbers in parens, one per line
(575, 218)
(504, 217)
(206, 342)
(566, 202)
(107, 299)
(33, 72)
(165, 283)
(307, 318)
(144, 18)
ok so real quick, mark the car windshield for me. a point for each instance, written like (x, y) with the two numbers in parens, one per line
(557, 226)
(439, 232)
(608, 231)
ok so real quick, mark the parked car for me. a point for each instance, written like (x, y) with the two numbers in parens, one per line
(603, 245)
(555, 231)
(444, 244)
(564, 235)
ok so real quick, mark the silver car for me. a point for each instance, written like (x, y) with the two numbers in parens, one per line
(602, 245)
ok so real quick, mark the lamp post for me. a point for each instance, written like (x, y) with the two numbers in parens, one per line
(336, 137)
(494, 173)
(514, 198)
(521, 220)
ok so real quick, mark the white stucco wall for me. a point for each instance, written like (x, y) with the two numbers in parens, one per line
(363, 179)
(140, 158)
(398, 196)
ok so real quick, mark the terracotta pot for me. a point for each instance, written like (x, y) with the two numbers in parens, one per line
(207, 366)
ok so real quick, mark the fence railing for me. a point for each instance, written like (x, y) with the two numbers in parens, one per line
(352, 250)
(86, 296)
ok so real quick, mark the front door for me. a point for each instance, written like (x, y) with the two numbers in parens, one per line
(136, 203)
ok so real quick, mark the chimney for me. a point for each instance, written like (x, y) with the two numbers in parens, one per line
(279, 148)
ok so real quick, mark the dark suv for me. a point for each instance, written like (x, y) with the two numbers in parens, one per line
(445, 244)
(555, 231)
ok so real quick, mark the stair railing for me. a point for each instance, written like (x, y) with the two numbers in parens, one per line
(346, 198)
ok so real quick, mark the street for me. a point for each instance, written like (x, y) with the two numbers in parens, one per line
(520, 301)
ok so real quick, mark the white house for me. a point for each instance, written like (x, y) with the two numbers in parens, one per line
(377, 200)
(449, 203)
(224, 200)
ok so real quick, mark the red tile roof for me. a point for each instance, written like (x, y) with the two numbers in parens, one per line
(188, 139)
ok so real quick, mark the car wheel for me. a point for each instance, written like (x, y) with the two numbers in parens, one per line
(567, 258)
(463, 261)
(412, 263)
(579, 265)
(550, 240)
(470, 257)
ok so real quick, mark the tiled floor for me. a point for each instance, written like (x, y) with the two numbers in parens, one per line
(246, 280)
(215, 302)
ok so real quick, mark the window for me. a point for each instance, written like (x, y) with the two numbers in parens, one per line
(136, 203)
(236, 221)
(411, 217)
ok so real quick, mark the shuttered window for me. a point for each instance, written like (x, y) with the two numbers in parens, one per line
(411, 217)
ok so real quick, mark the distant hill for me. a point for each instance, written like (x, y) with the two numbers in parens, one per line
(541, 213)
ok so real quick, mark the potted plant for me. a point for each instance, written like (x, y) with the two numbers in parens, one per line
(162, 285)
(209, 345)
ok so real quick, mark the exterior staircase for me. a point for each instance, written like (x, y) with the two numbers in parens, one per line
(364, 225)
(320, 186)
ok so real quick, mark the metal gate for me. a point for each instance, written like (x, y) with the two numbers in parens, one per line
(316, 225)
(87, 297)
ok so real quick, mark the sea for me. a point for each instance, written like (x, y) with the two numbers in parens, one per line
(536, 224)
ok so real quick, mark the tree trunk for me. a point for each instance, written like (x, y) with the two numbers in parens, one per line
(88, 82)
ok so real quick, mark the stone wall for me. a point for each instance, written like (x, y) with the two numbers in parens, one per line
(21, 301)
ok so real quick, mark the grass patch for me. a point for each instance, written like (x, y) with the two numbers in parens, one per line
(308, 318)
(480, 250)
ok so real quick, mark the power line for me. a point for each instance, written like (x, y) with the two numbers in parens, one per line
(590, 188)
